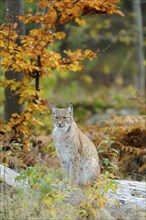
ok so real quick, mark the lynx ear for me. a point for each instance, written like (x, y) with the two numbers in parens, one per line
(53, 108)
(70, 108)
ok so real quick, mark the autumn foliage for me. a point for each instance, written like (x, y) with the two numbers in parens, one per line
(35, 56)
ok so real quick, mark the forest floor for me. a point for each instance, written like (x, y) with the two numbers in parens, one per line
(121, 143)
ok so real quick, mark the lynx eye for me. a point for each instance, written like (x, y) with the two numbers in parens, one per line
(64, 117)
(56, 117)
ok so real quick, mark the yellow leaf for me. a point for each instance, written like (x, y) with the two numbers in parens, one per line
(15, 115)
(27, 115)
(21, 100)
(80, 21)
(6, 165)
(60, 35)
(43, 43)
(25, 123)
(8, 128)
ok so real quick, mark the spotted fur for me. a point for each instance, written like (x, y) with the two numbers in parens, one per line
(76, 152)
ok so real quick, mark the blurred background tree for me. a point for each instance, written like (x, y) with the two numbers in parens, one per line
(140, 51)
(119, 65)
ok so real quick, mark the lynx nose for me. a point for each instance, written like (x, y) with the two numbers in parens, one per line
(60, 125)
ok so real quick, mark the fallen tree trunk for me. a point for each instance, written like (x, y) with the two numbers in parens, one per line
(8, 176)
(130, 197)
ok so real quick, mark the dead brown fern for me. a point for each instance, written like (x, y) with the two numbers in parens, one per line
(119, 125)
(129, 149)
(128, 134)
(139, 102)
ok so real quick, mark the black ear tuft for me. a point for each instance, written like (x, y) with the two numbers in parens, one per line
(70, 108)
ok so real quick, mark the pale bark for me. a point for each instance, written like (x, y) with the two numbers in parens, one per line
(140, 45)
(8, 176)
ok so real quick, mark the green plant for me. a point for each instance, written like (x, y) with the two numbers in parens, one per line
(96, 196)
(45, 198)
(107, 153)
(40, 177)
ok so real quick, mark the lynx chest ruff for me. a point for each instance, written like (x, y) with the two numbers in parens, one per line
(61, 144)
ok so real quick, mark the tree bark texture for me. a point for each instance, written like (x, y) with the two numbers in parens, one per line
(140, 45)
(13, 8)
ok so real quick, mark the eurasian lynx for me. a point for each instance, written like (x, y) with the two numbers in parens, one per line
(77, 153)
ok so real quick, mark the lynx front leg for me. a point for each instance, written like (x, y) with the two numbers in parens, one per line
(74, 169)
(65, 167)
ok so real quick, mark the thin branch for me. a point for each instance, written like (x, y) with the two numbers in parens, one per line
(37, 78)
(58, 17)
(76, 2)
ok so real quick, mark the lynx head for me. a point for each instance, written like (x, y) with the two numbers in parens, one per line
(62, 118)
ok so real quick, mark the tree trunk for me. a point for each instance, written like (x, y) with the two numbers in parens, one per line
(13, 8)
(140, 45)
